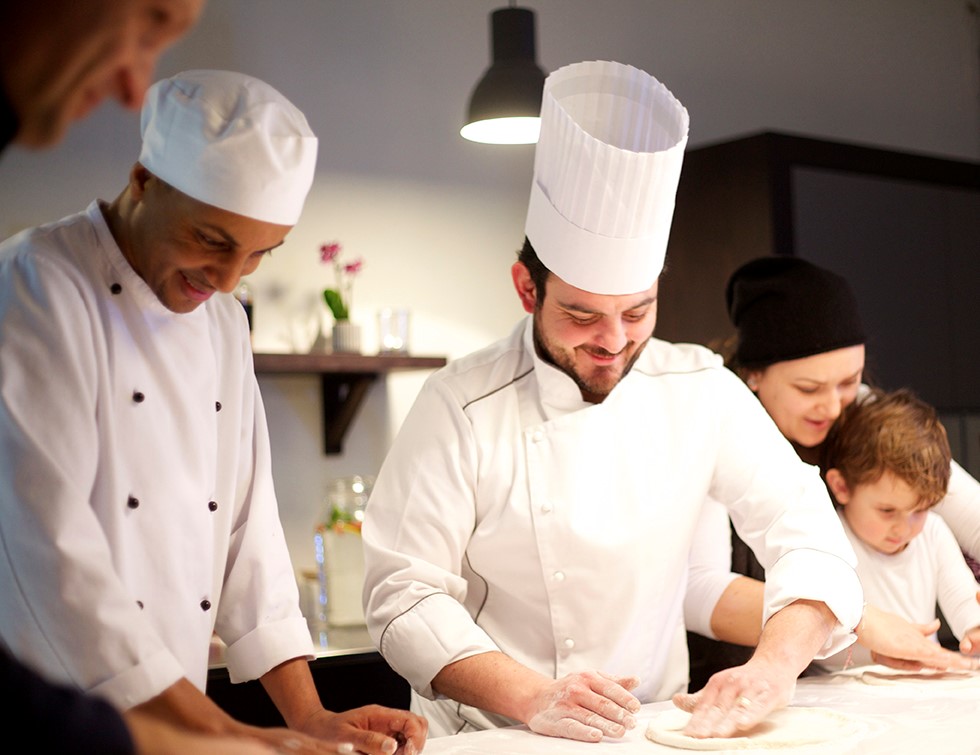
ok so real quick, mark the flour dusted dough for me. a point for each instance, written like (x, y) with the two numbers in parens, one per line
(783, 729)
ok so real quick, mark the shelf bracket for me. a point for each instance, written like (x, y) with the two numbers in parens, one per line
(342, 396)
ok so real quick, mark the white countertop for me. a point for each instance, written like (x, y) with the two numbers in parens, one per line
(922, 718)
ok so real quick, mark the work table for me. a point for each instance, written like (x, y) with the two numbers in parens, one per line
(932, 717)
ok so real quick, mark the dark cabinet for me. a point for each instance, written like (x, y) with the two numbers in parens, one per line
(343, 680)
(903, 228)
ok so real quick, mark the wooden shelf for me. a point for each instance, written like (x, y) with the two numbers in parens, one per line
(333, 363)
(344, 380)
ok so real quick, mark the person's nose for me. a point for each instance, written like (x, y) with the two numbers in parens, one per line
(135, 75)
(224, 276)
(612, 336)
(902, 527)
(832, 405)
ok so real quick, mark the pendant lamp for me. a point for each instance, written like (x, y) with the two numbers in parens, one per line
(505, 106)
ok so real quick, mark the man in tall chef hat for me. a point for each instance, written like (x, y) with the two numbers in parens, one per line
(527, 541)
(139, 515)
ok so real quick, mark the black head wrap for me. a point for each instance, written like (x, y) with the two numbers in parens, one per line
(787, 308)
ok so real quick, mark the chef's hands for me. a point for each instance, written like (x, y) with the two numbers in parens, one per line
(154, 736)
(896, 643)
(736, 699)
(373, 729)
(585, 706)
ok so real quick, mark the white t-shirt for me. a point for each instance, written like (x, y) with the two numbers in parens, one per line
(909, 584)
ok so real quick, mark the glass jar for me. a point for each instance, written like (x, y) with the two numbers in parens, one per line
(339, 556)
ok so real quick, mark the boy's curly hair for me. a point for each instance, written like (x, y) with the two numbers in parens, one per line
(891, 432)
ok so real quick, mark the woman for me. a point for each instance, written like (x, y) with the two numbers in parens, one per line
(801, 349)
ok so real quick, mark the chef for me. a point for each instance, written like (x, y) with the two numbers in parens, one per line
(527, 539)
(138, 514)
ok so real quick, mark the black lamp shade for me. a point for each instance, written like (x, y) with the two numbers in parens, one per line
(512, 86)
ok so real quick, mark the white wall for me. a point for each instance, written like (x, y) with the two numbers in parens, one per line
(438, 220)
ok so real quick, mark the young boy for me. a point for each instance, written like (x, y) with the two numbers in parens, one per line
(886, 464)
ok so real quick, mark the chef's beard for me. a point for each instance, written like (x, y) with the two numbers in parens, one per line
(593, 389)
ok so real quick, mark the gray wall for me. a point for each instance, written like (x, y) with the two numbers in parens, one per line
(384, 83)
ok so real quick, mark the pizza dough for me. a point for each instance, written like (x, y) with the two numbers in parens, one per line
(785, 728)
(883, 676)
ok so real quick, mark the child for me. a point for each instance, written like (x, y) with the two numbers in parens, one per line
(886, 463)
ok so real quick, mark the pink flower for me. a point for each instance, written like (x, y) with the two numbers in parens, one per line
(329, 251)
(339, 299)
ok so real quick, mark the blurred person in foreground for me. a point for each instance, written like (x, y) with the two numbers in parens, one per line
(59, 59)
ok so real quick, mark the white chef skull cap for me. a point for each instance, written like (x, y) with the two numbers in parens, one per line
(606, 169)
(231, 141)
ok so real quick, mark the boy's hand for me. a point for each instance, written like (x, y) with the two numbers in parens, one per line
(970, 644)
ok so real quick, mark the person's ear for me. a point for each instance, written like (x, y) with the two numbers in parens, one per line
(524, 286)
(752, 381)
(138, 178)
(838, 486)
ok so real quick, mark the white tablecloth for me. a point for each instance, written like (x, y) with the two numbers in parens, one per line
(919, 718)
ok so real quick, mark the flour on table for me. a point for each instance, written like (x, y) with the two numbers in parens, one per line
(785, 728)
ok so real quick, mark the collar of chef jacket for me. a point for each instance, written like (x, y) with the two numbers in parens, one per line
(559, 394)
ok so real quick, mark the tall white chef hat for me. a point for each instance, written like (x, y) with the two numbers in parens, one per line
(606, 169)
(231, 141)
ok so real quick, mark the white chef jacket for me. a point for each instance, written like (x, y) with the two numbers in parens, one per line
(928, 571)
(511, 515)
(137, 511)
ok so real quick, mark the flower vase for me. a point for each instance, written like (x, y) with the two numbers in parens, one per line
(346, 337)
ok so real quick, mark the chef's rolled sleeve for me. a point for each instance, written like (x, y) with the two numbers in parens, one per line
(433, 633)
(803, 574)
(266, 647)
(137, 684)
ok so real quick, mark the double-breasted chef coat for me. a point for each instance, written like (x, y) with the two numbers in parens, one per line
(137, 512)
(511, 515)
